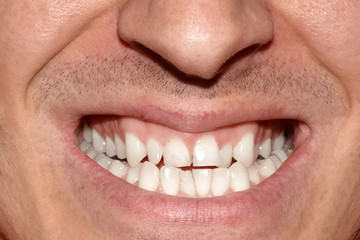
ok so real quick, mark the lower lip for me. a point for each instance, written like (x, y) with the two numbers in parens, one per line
(271, 196)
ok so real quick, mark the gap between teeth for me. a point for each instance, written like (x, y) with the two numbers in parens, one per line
(231, 168)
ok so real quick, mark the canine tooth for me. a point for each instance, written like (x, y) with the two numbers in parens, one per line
(149, 176)
(120, 149)
(206, 152)
(109, 146)
(225, 156)
(84, 146)
(91, 152)
(98, 141)
(133, 174)
(244, 150)
(170, 180)
(265, 148)
(135, 149)
(154, 151)
(276, 161)
(103, 161)
(254, 176)
(187, 183)
(279, 141)
(280, 154)
(87, 133)
(240, 178)
(176, 154)
(266, 167)
(202, 179)
(221, 178)
(118, 168)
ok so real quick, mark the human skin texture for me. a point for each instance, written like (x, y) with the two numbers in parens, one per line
(192, 66)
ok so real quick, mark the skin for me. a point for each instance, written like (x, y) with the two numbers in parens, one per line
(288, 59)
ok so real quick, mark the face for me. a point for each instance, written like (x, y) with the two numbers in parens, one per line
(179, 119)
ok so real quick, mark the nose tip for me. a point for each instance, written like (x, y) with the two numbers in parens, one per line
(197, 37)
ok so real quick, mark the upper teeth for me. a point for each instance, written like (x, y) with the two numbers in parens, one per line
(172, 180)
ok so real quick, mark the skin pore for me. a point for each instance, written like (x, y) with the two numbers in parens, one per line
(191, 66)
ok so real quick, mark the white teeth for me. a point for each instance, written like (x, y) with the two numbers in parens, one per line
(279, 141)
(91, 153)
(280, 154)
(84, 146)
(240, 179)
(276, 161)
(254, 176)
(154, 151)
(120, 147)
(221, 178)
(202, 179)
(225, 156)
(206, 152)
(170, 180)
(266, 167)
(103, 161)
(187, 183)
(98, 141)
(109, 147)
(135, 149)
(265, 148)
(87, 133)
(176, 154)
(133, 174)
(118, 168)
(244, 150)
(149, 177)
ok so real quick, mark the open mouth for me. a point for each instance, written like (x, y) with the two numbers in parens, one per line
(197, 165)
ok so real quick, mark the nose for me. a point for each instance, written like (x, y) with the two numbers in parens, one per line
(196, 36)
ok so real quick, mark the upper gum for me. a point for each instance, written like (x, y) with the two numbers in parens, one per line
(146, 130)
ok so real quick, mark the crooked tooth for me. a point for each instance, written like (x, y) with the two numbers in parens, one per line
(276, 161)
(221, 178)
(149, 176)
(133, 174)
(109, 146)
(202, 180)
(154, 151)
(280, 154)
(170, 180)
(206, 152)
(254, 176)
(187, 183)
(135, 149)
(266, 167)
(279, 141)
(244, 150)
(265, 148)
(118, 168)
(240, 178)
(226, 156)
(103, 161)
(176, 154)
(87, 133)
(98, 141)
(120, 149)
(84, 146)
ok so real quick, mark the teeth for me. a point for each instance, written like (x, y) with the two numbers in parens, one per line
(202, 179)
(187, 183)
(279, 141)
(154, 150)
(220, 182)
(120, 147)
(280, 154)
(103, 161)
(91, 152)
(109, 146)
(149, 177)
(133, 174)
(266, 167)
(276, 161)
(244, 150)
(254, 176)
(84, 146)
(135, 149)
(170, 180)
(118, 168)
(226, 156)
(265, 148)
(206, 152)
(240, 179)
(98, 141)
(87, 133)
(176, 154)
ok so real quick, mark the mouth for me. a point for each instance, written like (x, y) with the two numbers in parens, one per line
(207, 164)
